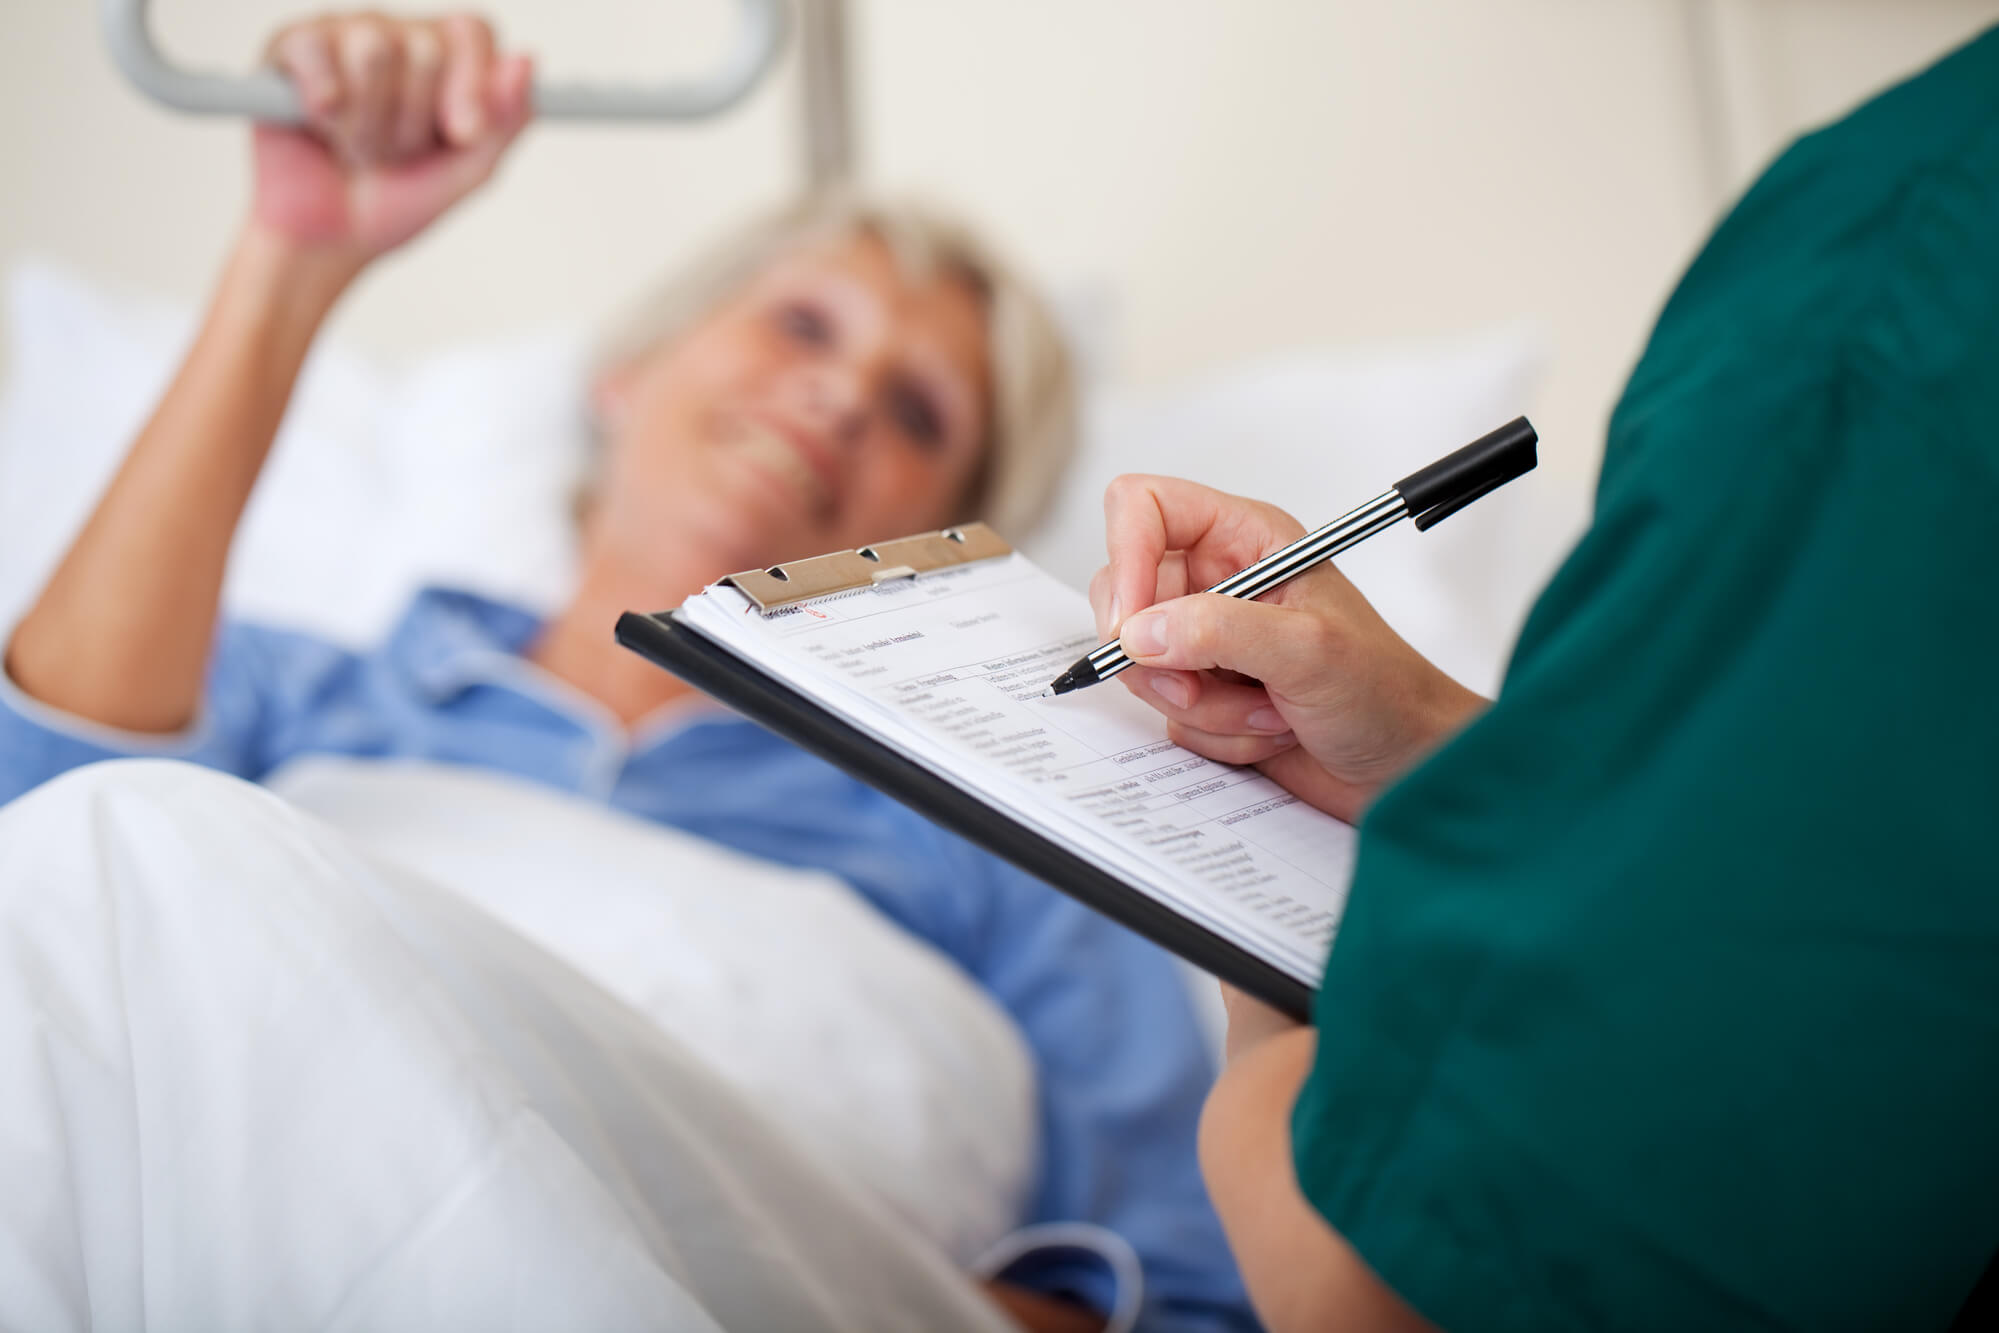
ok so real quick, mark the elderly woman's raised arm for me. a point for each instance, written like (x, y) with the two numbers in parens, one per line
(405, 119)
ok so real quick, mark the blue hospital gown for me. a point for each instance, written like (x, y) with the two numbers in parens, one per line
(1122, 1069)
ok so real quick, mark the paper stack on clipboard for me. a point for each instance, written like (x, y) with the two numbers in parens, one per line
(918, 666)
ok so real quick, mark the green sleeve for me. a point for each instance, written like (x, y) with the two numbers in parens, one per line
(1648, 1010)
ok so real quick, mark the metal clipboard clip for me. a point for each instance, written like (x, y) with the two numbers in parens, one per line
(797, 581)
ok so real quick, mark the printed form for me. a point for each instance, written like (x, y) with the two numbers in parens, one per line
(946, 668)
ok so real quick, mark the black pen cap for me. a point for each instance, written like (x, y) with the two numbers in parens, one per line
(1455, 480)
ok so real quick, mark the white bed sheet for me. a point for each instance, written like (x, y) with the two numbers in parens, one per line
(260, 1078)
(867, 1047)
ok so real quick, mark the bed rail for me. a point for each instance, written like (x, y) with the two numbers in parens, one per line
(265, 95)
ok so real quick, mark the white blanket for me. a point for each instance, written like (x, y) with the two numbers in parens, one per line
(868, 1047)
(258, 1077)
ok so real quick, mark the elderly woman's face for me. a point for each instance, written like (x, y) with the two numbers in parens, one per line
(836, 401)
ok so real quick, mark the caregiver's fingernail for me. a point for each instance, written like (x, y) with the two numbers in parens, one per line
(1170, 688)
(1144, 635)
(1117, 605)
(1267, 719)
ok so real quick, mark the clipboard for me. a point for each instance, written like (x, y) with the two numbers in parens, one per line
(670, 641)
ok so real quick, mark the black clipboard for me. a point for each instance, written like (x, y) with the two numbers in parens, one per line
(670, 641)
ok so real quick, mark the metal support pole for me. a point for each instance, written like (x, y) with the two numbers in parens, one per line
(825, 93)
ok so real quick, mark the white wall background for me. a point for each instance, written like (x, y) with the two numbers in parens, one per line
(1240, 175)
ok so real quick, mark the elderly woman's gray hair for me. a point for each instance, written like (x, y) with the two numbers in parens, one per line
(1033, 432)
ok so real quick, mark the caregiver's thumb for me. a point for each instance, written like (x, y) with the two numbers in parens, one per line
(1287, 649)
(1361, 704)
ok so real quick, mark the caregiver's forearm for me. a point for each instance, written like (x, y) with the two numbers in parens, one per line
(121, 633)
(1301, 1275)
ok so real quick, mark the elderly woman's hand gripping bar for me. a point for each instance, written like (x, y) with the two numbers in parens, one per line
(1428, 496)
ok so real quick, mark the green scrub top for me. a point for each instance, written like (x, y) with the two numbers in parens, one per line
(1668, 995)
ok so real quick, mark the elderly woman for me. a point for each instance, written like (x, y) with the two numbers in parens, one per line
(201, 981)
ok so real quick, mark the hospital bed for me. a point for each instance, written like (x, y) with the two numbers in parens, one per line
(761, 27)
(349, 518)
(367, 448)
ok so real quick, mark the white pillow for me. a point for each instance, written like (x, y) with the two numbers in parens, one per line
(460, 470)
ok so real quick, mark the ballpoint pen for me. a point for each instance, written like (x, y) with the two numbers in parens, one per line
(1428, 496)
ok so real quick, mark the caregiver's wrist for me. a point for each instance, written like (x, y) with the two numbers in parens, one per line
(1448, 710)
(1434, 712)
(1439, 709)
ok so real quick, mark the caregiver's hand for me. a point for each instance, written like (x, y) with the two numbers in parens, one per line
(1308, 682)
(404, 117)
